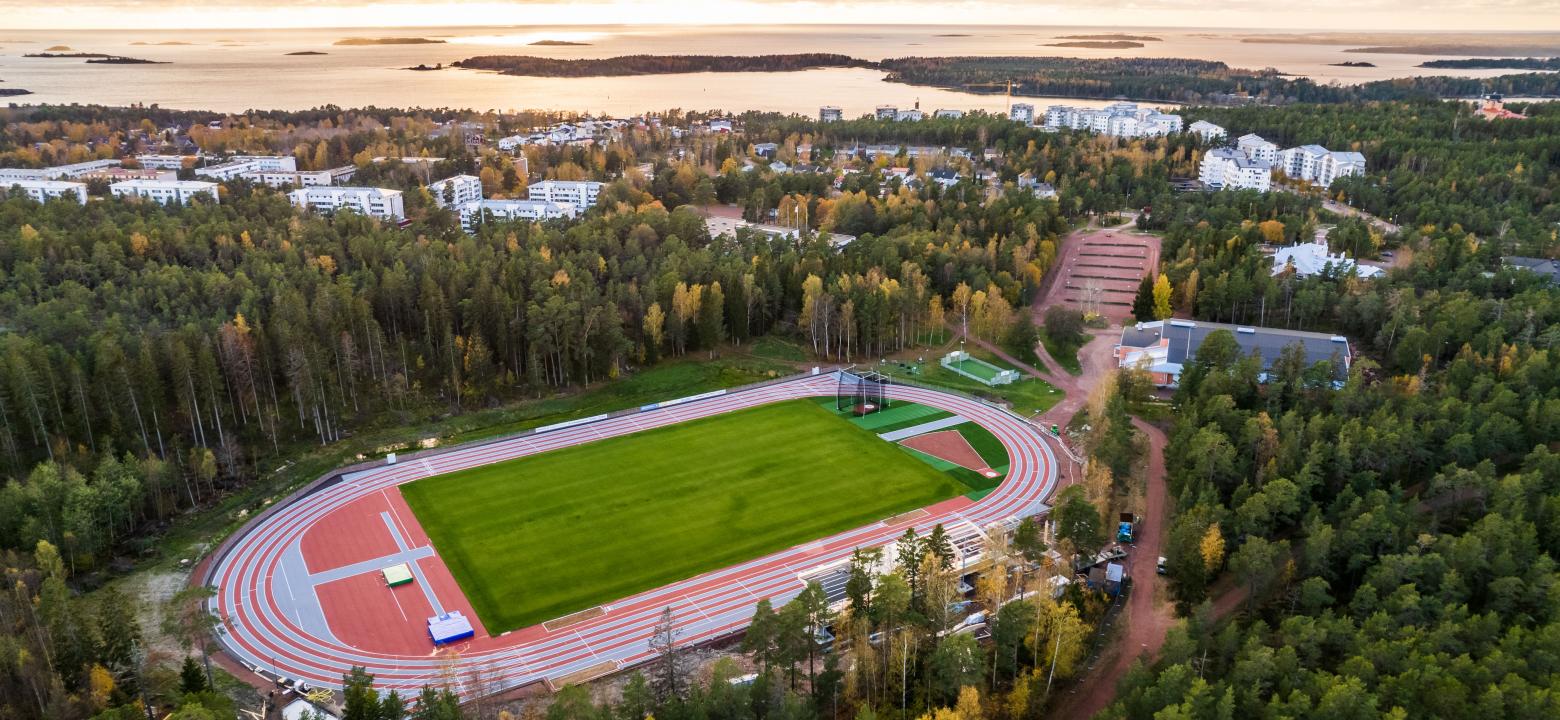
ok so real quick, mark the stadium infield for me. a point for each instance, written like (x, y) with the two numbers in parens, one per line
(542, 536)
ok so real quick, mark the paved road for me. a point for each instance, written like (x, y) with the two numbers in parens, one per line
(261, 630)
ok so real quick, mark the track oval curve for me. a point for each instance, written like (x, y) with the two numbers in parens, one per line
(260, 631)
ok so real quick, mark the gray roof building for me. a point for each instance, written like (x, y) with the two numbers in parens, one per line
(1539, 266)
(1166, 346)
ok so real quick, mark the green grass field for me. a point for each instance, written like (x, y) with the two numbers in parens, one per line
(540, 537)
(982, 370)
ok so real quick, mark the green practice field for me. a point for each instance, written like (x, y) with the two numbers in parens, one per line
(541, 537)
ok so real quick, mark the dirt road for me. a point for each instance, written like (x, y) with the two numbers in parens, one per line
(1148, 616)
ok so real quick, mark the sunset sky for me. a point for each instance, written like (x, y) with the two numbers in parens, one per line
(1337, 15)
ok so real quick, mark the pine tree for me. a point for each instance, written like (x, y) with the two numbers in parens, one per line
(1143, 302)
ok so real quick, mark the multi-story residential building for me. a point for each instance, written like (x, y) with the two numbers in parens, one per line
(943, 114)
(1254, 147)
(1122, 119)
(58, 172)
(910, 115)
(478, 211)
(241, 164)
(830, 113)
(1340, 164)
(1208, 131)
(579, 193)
(1227, 169)
(1302, 163)
(456, 191)
(1022, 113)
(373, 202)
(167, 192)
(116, 174)
(301, 178)
(46, 190)
(719, 125)
(1316, 164)
(166, 162)
(886, 112)
(1158, 123)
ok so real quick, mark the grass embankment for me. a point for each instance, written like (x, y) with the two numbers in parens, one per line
(1026, 396)
(540, 537)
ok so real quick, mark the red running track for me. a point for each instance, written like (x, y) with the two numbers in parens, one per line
(275, 620)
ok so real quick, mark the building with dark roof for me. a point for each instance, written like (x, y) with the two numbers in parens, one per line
(1539, 266)
(1164, 347)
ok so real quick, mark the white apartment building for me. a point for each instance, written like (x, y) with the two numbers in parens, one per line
(477, 211)
(1341, 164)
(1022, 113)
(456, 190)
(910, 115)
(242, 164)
(75, 170)
(167, 192)
(886, 112)
(163, 162)
(1255, 148)
(46, 190)
(1121, 119)
(373, 202)
(830, 113)
(1208, 131)
(942, 114)
(57, 172)
(579, 193)
(1316, 164)
(1228, 169)
(301, 178)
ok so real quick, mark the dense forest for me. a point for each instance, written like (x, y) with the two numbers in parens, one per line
(1185, 80)
(1379, 547)
(1433, 164)
(1532, 63)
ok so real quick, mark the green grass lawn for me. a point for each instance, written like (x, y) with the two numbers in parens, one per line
(540, 537)
(981, 370)
(1026, 396)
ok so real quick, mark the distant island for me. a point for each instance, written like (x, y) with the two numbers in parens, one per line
(1098, 44)
(165, 42)
(1111, 36)
(99, 58)
(389, 41)
(308, 52)
(656, 64)
(420, 67)
(952, 35)
(563, 43)
(57, 48)
(1531, 63)
(121, 60)
(13, 92)
(1355, 63)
